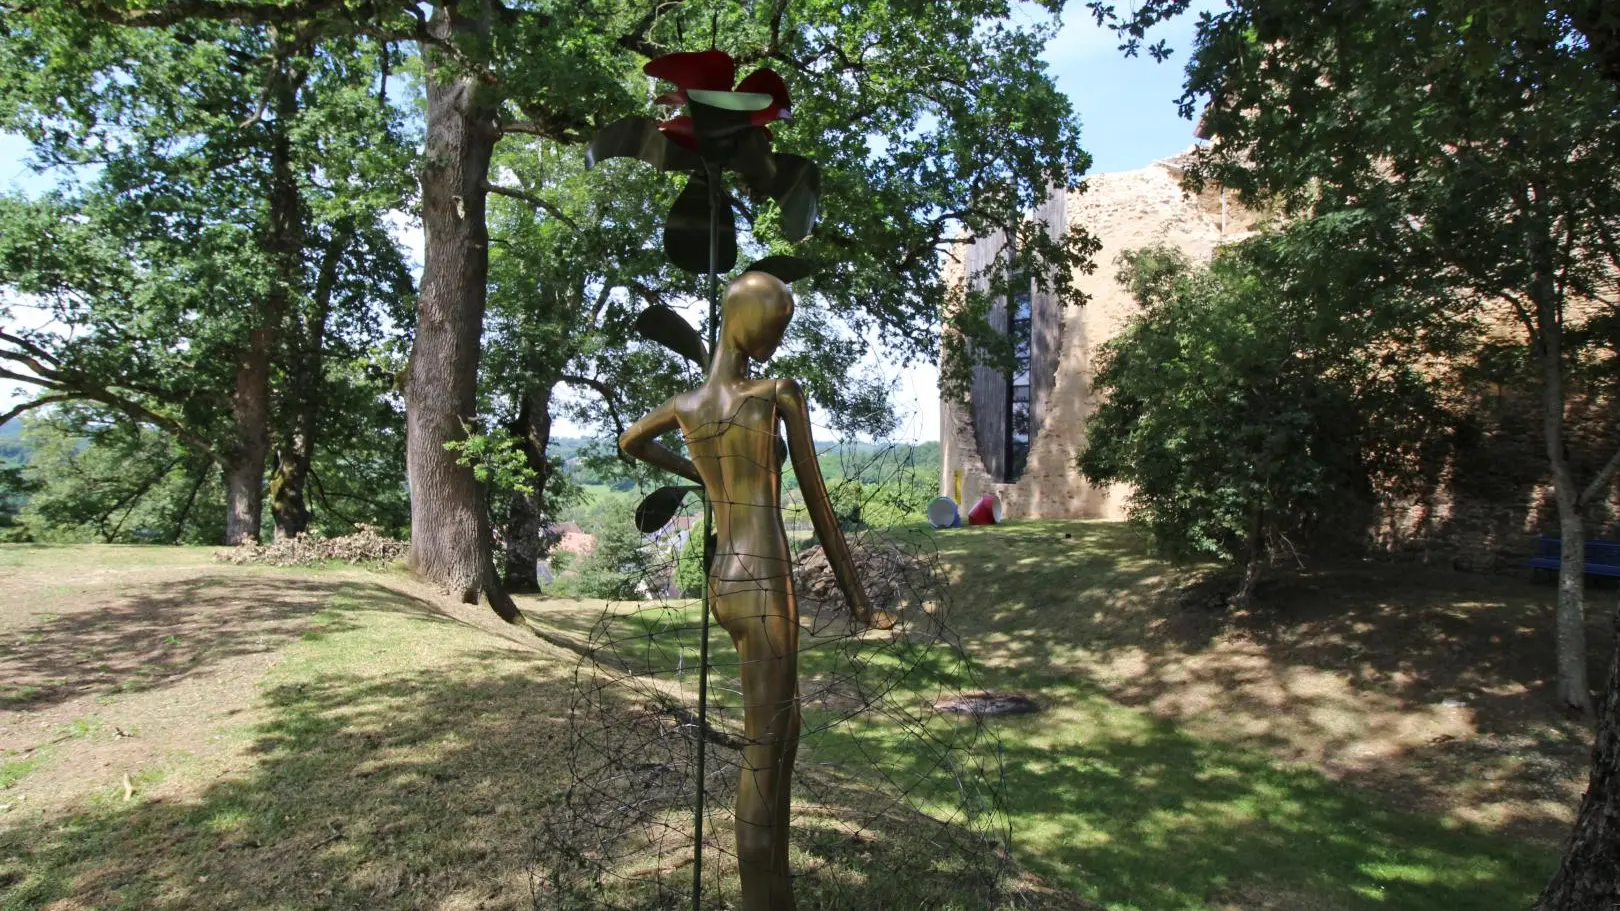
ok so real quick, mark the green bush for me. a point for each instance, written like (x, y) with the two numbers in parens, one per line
(617, 566)
(1259, 398)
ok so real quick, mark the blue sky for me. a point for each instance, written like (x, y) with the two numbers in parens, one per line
(1127, 110)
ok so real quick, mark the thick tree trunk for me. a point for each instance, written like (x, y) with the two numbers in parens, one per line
(244, 465)
(1588, 879)
(307, 367)
(450, 535)
(525, 526)
(289, 510)
(1574, 690)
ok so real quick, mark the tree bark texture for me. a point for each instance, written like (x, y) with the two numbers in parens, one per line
(451, 545)
(1588, 879)
(282, 240)
(289, 505)
(527, 518)
(244, 464)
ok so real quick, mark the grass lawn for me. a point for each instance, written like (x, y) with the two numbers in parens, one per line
(176, 733)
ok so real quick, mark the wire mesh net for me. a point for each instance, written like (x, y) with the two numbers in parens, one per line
(894, 803)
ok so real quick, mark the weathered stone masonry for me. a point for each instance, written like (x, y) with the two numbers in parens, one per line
(1481, 510)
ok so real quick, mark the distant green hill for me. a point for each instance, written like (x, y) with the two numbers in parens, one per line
(12, 449)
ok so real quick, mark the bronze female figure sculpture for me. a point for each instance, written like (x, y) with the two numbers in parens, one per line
(730, 427)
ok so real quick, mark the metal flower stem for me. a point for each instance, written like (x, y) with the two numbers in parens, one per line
(713, 175)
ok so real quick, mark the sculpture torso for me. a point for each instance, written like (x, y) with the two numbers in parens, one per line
(730, 427)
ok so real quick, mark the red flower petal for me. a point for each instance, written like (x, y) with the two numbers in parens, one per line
(770, 115)
(676, 98)
(680, 131)
(766, 82)
(711, 70)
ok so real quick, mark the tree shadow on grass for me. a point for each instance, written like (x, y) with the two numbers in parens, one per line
(1430, 686)
(404, 791)
(167, 632)
(1134, 813)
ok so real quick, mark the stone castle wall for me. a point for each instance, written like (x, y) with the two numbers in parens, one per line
(1123, 211)
(1480, 508)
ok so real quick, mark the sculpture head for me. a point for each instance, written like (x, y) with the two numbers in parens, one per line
(755, 315)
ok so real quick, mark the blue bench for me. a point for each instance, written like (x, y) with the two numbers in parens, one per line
(1602, 557)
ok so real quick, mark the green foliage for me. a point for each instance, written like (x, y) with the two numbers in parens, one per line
(1258, 398)
(95, 479)
(689, 564)
(224, 200)
(496, 458)
(616, 567)
(879, 485)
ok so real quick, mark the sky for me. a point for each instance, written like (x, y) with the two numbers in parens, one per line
(1128, 118)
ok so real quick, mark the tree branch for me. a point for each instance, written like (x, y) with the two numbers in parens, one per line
(178, 11)
(636, 39)
(36, 403)
(607, 394)
(66, 390)
(535, 201)
(1600, 480)
(28, 346)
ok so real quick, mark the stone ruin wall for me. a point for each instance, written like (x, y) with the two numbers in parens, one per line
(1489, 499)
(1123, 211)
(1481, 509)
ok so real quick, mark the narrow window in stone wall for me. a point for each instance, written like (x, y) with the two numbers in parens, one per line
(1020, 427)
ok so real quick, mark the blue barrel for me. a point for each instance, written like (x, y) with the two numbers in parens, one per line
(942, 513)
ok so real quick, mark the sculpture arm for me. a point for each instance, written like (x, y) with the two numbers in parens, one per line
(640, 441)
(795, 411)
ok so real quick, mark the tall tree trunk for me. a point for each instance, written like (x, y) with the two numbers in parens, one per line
(1574, 691)
(244, 464)
(1588, 879)
(450, 534)
(250, 400)
(307, 362)
(525, 526)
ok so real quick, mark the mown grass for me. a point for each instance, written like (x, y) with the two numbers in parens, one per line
(1109, 801)
(405, 759)
(400, 759)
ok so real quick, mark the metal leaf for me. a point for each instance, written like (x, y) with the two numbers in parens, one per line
(660, 324)
(718, 130)
(798, 193)
(658, 507)
(788, 268)
(640, 138)
(753, 161)
(686, 231)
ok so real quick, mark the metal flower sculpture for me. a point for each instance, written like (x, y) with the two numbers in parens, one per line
(724, 128)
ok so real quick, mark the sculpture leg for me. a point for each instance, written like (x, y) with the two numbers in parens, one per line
(766, 636)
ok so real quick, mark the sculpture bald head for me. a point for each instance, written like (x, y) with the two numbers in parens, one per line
(755, 314)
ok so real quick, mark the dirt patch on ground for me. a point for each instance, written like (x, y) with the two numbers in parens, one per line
(121, 673)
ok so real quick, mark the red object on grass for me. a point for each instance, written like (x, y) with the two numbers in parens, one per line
(985, 512)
